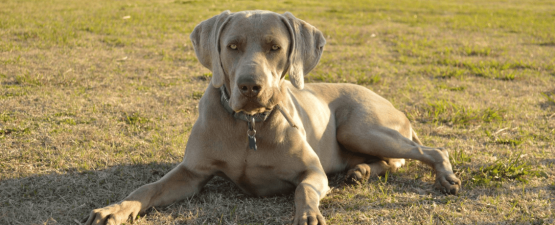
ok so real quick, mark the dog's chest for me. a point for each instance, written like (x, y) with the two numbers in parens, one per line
(271, 169)
(260, 174)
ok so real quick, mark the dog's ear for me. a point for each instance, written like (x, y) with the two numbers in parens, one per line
(307, 45)
(206, 41)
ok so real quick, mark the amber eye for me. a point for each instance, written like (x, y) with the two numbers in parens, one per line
(233, 46)
(275, 47)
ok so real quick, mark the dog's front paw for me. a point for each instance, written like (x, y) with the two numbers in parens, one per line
(114, 214)
(448, 183)
(309, 217)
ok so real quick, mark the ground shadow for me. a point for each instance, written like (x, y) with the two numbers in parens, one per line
(61, 198)
(68, 198)
(549, 101)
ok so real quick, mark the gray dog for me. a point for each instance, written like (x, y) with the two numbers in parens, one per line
(269, 135)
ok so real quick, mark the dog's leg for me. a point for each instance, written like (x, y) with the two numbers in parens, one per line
(395, 164)
(308, 194)
(312, 186)
(363, 171)
(176, 185)
(384, 142)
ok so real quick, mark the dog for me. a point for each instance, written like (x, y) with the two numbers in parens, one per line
(270, 135)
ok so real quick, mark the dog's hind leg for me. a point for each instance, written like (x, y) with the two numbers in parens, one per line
(363, 171)
(366, 137)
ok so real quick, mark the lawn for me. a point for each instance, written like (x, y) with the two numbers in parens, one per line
(98, 98)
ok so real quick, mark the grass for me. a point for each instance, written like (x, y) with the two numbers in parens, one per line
(99, 97)
(452, 114)
(502, 170)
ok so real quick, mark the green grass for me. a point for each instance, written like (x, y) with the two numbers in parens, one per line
(445, 112)
(503, 170)
(549, 98)
(197, 95)
(99, 97)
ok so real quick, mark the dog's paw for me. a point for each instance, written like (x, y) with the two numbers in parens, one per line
(448, 183)
(309, 217)
(114, 214)
(358, 174)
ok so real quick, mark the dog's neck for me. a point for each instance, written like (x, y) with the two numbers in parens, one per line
(259, 117)
(224, 99)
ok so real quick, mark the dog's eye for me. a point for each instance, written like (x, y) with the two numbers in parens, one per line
(275, 47)
(233, 46)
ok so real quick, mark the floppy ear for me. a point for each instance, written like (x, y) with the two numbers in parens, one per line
(307, 45)
(206, 41)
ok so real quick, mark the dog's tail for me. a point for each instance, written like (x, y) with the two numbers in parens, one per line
(415, 137)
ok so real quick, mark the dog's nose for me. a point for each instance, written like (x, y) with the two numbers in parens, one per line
(249, 87)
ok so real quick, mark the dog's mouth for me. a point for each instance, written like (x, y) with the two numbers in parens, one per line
(251, 107)
(264, 102)
(254, 111)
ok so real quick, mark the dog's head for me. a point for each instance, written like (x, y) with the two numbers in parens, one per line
(251, 51)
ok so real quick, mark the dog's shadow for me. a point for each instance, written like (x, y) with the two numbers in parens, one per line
(64, 198)
(68, 198)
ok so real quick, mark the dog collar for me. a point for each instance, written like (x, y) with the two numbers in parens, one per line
(259, 117)
(252, 119)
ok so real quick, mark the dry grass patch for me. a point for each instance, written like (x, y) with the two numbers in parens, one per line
(98, 98)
